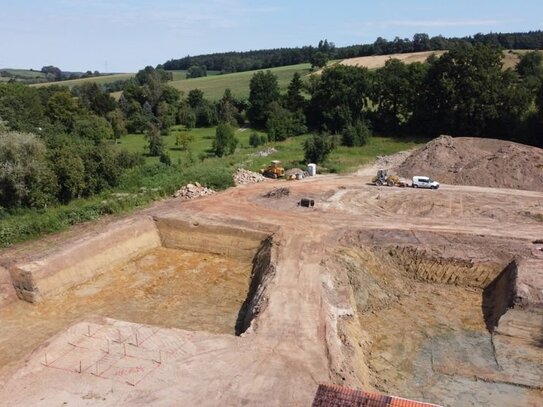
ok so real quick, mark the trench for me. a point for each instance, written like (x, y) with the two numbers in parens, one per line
(426, 328)
(216, 286)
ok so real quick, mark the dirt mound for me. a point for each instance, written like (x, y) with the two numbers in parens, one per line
(478, 162)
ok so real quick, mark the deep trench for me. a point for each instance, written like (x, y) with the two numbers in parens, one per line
(426, 326)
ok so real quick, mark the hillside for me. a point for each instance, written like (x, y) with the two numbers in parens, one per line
(510, 58)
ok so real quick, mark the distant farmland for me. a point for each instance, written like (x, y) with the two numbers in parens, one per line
(510, 58)
(214, 86)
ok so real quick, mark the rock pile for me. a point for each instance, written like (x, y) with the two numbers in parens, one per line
(295, 171)
(277, 193)
(193, 191)
(243, 177)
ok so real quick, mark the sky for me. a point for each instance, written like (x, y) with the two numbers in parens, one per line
(127, 35)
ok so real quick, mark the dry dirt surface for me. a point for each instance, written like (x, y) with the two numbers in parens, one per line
(435, 296)
(378, 61)
(510, 59)
(479, 162)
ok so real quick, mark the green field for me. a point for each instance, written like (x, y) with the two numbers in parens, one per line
(143, 185)
(214, 86)
(290, 152)
(97, 79)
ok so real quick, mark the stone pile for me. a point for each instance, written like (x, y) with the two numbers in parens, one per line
(295, 171)
(243, 177)
(193, 191)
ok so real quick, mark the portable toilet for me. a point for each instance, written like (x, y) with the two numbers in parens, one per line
(312, 169)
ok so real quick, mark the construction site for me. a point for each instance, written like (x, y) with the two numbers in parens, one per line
(246, 297)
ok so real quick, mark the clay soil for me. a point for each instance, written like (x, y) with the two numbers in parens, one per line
(164, 287)
(480, 162)
(381, 289)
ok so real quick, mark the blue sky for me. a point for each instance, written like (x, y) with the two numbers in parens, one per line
(126, 35)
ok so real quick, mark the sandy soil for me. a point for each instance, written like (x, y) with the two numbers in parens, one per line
(378, 61)
(480, 162)
(307, 325)
(164, 287)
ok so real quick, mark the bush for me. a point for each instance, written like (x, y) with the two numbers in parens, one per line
(256, 139)
(165, 158)
(282, 124)
(156, 144)
(355, 135)
(225, 142)
(25, 176)
(318, 147)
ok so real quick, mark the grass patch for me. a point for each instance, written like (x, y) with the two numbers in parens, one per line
(101, 80)
(213, 86)
(154, 180)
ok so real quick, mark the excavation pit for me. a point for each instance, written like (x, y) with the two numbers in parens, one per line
(210, 290)
(423, 328)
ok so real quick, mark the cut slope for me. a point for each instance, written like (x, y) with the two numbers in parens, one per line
(478, 162)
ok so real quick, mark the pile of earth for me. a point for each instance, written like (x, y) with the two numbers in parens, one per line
(477, 161)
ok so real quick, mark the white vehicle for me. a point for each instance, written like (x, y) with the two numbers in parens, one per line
(424, 182)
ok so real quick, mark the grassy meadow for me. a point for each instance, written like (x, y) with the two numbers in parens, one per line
(154, 180)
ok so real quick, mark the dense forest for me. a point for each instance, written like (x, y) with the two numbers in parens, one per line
(227, 62)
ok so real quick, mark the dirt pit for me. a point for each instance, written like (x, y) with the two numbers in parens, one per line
(165, 287)
(428, 340)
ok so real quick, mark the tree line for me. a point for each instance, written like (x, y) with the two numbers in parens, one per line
(465, 92)
(55, 144)
(228, 62)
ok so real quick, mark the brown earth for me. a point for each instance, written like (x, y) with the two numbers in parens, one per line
(479, 162)
(402, 291)
(510, 59)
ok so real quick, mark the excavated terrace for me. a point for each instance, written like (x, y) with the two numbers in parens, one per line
(238, 299)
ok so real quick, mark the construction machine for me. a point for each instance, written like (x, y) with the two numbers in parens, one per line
(383, 178)
(274, 170)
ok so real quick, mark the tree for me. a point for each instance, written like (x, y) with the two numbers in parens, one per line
(118, 124)
(465, 92)
(294, 100)
(70, 171)
(227, 111)
(225, 142)
(283, 124)
(25, 176)
(395, 92)
(196, 71)
(318, 60)
(93, 127)
(195, 98)
(339, 97)
(264, 90)
(530, 68)
(53, 71)
(155, 142)
(62, 108)
(94, 98)
(318, 147)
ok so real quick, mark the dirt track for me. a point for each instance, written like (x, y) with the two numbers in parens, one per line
(308, 321)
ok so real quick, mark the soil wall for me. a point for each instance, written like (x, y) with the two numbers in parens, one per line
(7, 292)
(77, 261)
(240, 243)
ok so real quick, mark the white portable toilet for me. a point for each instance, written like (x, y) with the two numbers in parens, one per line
(312, 169)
